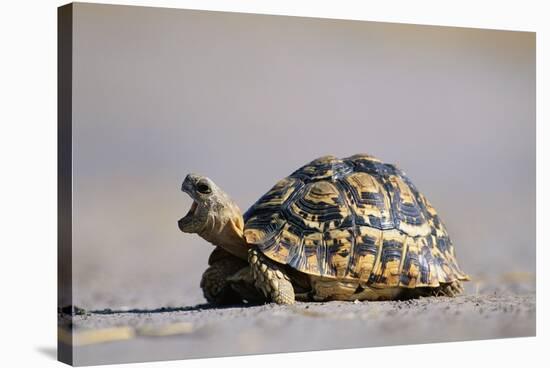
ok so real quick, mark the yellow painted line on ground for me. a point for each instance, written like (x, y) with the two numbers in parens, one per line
(103, 335)
(96, 336)
(178, 328)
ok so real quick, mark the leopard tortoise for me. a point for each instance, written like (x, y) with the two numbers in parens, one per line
(335, 229)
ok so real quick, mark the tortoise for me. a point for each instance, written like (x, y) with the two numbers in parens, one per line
(335, 229)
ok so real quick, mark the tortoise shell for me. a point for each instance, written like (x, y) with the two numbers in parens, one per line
(357, 219)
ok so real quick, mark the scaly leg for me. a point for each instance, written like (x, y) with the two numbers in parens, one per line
(451, 289)
(270, 278)
(242, 283)
(214, 283)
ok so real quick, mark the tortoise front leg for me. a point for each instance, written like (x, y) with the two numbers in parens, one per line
(270, 278)
(215, 285)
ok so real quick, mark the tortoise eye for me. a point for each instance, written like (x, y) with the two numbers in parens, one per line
(203, 188)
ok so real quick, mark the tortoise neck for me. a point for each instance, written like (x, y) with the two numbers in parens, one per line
(227, 234)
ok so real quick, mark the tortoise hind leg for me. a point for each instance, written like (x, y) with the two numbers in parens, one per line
(454, 288)
(270, 278)
(450, 289)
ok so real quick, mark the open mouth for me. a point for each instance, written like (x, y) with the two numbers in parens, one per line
(188, 217)
(192, 209)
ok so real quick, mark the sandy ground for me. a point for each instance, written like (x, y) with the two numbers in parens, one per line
(206, 331)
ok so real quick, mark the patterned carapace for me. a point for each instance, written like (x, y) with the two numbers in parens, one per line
(354, 219)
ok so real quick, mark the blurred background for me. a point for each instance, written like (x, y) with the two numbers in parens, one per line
(246, 99)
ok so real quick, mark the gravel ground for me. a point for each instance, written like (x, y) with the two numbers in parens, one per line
(205, 331)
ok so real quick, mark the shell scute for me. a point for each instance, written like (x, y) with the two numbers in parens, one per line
(369, 199)
(368, 242)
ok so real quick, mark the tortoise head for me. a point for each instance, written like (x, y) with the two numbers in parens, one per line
(214, 216)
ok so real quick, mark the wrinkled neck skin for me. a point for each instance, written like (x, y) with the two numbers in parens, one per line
(213, 216)
(224, 228)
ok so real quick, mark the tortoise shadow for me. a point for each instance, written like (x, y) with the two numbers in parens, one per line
(198, 307)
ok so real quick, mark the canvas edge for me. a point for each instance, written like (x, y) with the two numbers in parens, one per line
(64, 182)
